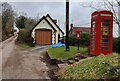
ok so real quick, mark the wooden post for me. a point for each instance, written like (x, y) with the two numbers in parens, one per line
(67, 25)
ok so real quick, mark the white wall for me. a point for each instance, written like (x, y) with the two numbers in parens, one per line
(45, 25)
(58, 31)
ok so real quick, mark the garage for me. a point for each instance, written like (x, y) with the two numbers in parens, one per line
(43, 36)
(46, 31)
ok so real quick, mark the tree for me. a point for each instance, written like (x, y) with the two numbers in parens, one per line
(30, 23)
(20, 22)
(7, 20)
(113, 6)
(25, 24)
(0, 27)
(116, 47)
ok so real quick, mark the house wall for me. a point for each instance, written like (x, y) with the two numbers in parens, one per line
(58, 31)
(44, 25)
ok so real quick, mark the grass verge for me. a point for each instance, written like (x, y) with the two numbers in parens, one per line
(60, 53)
(24, 45)
(99, 67)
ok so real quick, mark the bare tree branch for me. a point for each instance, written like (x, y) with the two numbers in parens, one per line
(112, 6)
(118, 2)
(107, 6)
(115, 13)
(93, 7)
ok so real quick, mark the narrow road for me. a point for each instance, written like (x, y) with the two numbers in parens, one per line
(7, 48)
(18, 63)
(5, 51)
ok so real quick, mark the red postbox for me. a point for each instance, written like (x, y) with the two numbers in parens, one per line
(78, 34)
(101, 32)
(78, 37)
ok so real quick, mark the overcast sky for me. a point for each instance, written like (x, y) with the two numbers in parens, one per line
(80, 13)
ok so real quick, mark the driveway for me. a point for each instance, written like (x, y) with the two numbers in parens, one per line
(18, 63)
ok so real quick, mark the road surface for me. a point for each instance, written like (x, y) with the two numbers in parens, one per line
(18, 63)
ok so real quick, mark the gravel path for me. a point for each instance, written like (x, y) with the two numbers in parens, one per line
(20, 63)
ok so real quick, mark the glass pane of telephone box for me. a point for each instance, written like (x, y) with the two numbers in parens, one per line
(104, 48)
(105, 23)
(105, 40)
(105, 36)
(93, 35)
(105, 31)
(93, 40)
(104, 44)
(93, 46)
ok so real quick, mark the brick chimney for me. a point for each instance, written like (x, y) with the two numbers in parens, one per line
(71, 25)
(55, 21)
(71, 29)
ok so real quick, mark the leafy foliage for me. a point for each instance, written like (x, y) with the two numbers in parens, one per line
(0, 27)
(24, 36)
(116, 45)
(30, 23)
(20, 22)
(7, 20)
(84, 40)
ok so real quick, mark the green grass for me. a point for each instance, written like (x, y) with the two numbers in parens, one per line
(23, 45)
(60, 53)
(98, 67)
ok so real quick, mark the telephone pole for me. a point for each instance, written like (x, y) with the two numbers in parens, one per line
(67, 25)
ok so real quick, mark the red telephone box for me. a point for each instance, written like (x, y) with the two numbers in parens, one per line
(101, 32)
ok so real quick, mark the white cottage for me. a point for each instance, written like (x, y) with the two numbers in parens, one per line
(46, 31)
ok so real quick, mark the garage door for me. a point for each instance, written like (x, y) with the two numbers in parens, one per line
(43, 36)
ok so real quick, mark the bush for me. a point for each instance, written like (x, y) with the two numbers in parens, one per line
(116, 45)
(72, 40)
(24, 37)
(6, 35)
(84, 40)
